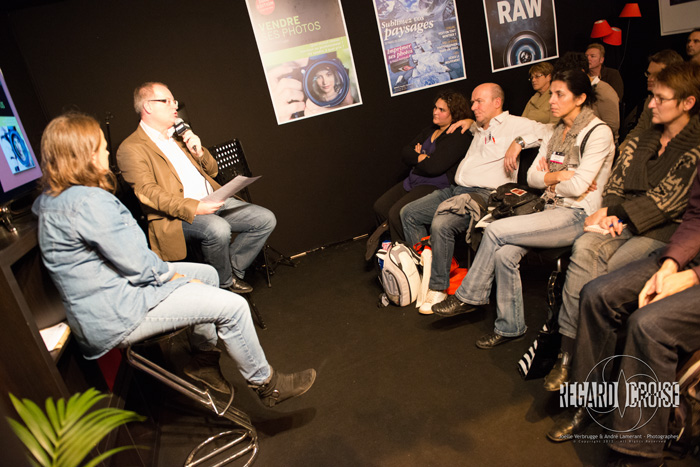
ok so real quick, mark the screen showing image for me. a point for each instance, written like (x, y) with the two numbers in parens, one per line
(18, 165)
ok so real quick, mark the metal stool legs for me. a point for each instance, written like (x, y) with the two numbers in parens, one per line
(245, 440)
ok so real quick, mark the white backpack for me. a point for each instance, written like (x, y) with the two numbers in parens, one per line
(399, 277)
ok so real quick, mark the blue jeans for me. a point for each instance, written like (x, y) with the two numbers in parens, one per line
(416, 216)
(504, 244)
(656, 334)
(594, 255)
(253, 225)
(212, 311)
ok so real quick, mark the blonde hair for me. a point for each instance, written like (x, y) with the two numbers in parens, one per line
(67, 148)
(143, 93)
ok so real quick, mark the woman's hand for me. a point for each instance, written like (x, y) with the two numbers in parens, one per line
(666, 282)
(612, 224)
(287, 94)
(596, 217)
(543, 165)
(177, 275)
(463, 124)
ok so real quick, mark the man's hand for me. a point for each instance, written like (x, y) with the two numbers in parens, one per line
(596, 217)
(510, 161)
(666, 282)
(193, 143)
(463, 124)
(208, 207)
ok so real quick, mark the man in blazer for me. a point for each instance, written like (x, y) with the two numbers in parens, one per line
(170, 175)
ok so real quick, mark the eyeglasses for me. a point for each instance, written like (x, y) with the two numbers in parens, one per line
(660, 100)
(165, 101)
(535, 76)
(649, 75)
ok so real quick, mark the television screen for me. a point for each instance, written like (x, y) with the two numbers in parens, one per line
(19, 167)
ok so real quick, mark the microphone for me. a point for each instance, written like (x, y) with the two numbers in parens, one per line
(181, 128)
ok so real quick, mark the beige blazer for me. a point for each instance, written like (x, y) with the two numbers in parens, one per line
(159, 189)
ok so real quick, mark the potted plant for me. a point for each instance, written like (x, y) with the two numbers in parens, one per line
(65, 434)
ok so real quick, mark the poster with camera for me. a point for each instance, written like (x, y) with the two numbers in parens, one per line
(306, 55)
(422, 43)
(521, 32)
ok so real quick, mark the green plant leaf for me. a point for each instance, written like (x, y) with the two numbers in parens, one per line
(78, 405)
(30, 442)
(61, 411)
(36, 422)
(52, 415)
(88, 432)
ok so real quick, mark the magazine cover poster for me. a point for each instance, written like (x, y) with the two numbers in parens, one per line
(421, 41)
(521, 32)
(305, 51)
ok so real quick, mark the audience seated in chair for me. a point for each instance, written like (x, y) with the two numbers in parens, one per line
(573, 179)
(607, 103)
(116, 291)
(643, 200)
(595, 54)
(537, 108)
(653, 302)
(433, 156)
(491, 161)
(170, 176)
(640, 116)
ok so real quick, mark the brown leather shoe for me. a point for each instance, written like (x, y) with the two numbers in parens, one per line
(559, 374)
(569, 425)
(491, 340)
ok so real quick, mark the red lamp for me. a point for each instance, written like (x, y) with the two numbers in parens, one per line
(631, 10)
(601, 28)
(614, 38)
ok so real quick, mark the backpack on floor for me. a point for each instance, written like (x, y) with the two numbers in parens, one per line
(399, 275)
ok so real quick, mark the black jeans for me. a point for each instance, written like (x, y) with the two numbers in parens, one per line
(655, 335)
(389, 205)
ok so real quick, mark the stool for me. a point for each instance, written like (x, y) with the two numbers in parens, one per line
(245, 439)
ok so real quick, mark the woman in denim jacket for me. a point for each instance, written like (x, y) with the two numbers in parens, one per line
(116, 291)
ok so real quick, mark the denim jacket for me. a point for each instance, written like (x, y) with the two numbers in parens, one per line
(99, 260)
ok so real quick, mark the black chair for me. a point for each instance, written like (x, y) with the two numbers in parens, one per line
(239, 442)
(232, 162)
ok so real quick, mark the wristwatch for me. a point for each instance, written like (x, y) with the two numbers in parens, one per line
(520, 141)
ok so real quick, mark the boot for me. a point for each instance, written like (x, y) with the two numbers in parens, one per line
(204, 367)
(559, 374)
(280, 386)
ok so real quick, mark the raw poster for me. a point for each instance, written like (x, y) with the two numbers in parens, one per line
(421, 41)
(521, 32)
(304, 49)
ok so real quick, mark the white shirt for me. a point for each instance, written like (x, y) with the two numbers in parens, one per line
(194, 185)
(483, 165)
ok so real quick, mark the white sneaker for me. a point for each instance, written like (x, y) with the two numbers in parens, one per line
(433, 297)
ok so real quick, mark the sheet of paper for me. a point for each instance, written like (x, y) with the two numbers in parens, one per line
(55, 336)
(231, 188)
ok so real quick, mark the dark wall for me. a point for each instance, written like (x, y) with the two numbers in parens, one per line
(320, 175)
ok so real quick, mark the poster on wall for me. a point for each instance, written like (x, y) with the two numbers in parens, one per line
(422, 43)
(521, 32)
(306, 55)
(678, 16)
